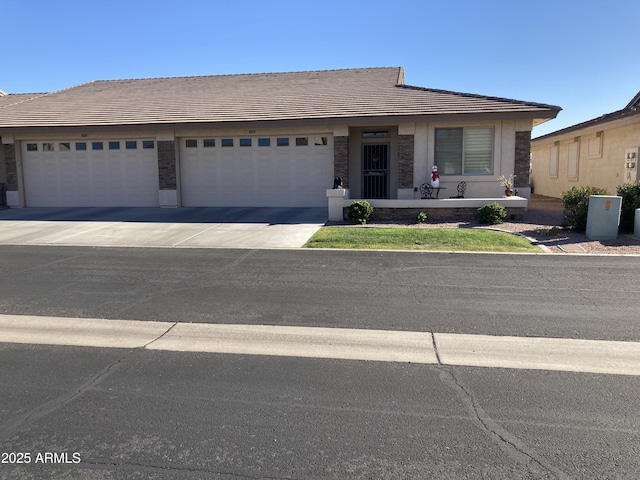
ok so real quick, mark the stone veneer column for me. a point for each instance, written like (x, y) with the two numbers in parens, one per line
(167, 173)
(405, 161)
(11, 167)
(522, 159)
(341, 159)
(13, 196)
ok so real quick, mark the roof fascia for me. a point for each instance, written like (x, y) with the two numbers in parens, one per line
(314, 122)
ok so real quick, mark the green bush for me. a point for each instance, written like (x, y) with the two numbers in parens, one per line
(359, 212)
(492, 213)
(421, 217)
(630, 193)
(576, 206)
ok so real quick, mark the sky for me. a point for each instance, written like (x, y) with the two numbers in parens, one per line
(581, 55)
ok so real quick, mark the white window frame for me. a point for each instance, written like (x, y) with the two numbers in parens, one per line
(466, 131)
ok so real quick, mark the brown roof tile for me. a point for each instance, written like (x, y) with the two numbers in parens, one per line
(329, 94)
(7, 99)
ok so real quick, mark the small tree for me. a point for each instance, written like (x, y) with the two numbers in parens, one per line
(576, 206)
(630, 193)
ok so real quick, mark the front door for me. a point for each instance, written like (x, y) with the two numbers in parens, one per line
(375, 170)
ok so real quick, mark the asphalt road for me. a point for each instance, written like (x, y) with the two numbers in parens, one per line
(522, 295)
(132, 413)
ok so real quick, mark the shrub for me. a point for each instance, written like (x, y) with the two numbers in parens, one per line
(359, 211)
(630, 193)
(576, 206)
(492, 213)
(421, 217)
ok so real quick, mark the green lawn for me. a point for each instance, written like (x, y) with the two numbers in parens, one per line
(459, 239)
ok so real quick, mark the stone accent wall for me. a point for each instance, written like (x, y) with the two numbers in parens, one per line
(341, 159)
(167, 165)
(405, 161)
(522, 156)
(390, 215)
(11, 166)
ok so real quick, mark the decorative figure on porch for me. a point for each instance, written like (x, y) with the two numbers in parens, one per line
(337, 182)
(435, 177)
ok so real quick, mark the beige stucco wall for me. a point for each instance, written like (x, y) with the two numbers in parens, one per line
(606, 169)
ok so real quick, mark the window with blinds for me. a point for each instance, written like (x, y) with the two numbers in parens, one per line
(467, 151)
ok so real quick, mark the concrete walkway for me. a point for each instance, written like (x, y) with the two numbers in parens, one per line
(571, 355)
(156, 227)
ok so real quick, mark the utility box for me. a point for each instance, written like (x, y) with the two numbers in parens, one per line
(636, 230)
(603, 217)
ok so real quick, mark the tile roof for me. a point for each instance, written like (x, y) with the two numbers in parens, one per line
(315, 95)
(7, 99)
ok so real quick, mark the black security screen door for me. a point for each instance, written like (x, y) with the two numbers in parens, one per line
(375, 171)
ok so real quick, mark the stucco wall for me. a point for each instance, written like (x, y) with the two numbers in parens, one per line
(605, 169)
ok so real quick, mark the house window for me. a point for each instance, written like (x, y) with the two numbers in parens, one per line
(64, 146)
(81, 146)
(464, 151)
(376, 134)
(302, 141)
(264, 142)
(208, 142)
(97, 146)
(321, 141)
(114, 145)
(47, 147)
(554, 154)
(227, 142)
(245, 142)
(282, 141)
(191, 143)
(148, 144)
(32, 147)
(131, 144)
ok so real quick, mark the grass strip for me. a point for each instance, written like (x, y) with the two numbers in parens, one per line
(399, 238)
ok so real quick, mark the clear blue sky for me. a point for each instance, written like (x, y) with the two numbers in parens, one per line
(579, 54)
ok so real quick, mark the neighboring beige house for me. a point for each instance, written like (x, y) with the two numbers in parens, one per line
(275, 139)
(602, 152)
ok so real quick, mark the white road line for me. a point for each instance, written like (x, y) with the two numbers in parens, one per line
(593, 356)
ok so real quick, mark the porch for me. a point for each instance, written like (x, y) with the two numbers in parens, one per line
(436, 209)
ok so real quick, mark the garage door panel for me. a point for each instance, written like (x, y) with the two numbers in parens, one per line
(255, 176)
(89, 178)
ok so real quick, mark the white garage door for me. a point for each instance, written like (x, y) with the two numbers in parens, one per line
(278, 171)
(91, 173)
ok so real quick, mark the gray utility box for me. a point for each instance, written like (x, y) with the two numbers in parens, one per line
(636, 230)
(603, 218)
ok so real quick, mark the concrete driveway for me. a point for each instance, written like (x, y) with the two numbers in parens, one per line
(156, 227)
